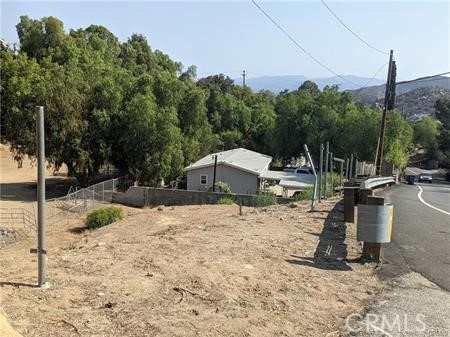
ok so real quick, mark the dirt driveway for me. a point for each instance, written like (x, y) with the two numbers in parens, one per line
(193, 271)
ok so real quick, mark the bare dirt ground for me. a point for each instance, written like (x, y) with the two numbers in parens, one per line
(192, 271)
(18, 185)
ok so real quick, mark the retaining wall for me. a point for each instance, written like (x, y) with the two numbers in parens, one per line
(139, 196)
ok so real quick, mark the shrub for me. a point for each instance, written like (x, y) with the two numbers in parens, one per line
(263, 199)
(103, 216)
(225, 201)
(303, 195)
(224, 187)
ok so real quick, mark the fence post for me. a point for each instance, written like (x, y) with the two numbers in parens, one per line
(327, 155)
(331, 172)
(41, 248)
(350, 176)
(349, 202)
(320, 172)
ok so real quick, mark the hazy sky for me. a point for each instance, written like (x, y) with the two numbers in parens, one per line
(227, 37)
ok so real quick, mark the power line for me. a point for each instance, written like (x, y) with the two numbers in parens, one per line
(370, 80)
(423, 79)
(351, 31)
(298, 44)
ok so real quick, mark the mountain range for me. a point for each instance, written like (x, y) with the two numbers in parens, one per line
(415, 99)
(292, 82)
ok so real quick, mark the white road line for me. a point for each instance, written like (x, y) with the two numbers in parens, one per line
(427, 204)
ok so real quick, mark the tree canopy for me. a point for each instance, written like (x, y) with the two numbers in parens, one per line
(123, 103)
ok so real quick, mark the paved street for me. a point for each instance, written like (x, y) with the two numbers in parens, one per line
(416, 264)
(421, 234)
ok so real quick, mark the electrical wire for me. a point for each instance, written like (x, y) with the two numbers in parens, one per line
(370, 80)
(298, 44)
(424, 79)
(351, 31)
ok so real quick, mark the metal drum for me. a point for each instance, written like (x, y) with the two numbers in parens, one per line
(374, 223)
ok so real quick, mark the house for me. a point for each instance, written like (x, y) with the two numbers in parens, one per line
(239, 168)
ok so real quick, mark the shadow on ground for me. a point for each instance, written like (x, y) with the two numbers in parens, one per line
(331, 252)
(54, 188)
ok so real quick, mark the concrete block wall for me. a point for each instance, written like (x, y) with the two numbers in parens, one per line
(140, 196)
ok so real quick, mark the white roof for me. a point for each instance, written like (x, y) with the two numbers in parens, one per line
(239, 158)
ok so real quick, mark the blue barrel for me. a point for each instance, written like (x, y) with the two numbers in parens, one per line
(411, 179)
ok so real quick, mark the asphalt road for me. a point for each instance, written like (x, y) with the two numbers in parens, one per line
(421, 231)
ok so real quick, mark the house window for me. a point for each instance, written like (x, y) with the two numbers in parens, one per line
(203, 179)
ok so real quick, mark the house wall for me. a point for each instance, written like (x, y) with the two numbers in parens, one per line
(240, 181)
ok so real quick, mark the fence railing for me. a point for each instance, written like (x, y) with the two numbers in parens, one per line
(81, 200)
(15, 223)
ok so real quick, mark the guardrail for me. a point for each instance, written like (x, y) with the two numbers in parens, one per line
(376, 182)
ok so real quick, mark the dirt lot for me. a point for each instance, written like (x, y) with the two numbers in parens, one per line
(188, 271)
(18, 185)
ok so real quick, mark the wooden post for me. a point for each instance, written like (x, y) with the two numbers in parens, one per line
(349, 202)
(372, 250)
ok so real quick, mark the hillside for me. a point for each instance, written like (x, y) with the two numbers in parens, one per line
(280, 83)
(414, 99)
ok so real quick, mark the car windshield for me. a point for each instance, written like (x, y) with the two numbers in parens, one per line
(426, 175)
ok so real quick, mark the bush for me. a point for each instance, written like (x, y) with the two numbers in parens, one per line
(263, 199)
(303, 195)
(103, 216)
(225, 201)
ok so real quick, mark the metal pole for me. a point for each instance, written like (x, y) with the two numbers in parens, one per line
(331, 172)
(103, 192)
(347, 162)
(214, 177)
(341, 174)
(327, 154)
(313, 198)
(350, 176)
(320, 172)
(356, 168)
(41, 250)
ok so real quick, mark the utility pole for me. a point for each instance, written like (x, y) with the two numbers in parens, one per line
(41, 250)
(389, 99)
(243, 78)
(214, 176)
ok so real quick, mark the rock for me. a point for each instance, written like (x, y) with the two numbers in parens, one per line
(281, 218)
(293, 205)
(160, 208)
(100, 244)
(100, 294)
(109, 304)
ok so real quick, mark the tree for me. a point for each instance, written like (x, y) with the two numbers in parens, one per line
(426, 134)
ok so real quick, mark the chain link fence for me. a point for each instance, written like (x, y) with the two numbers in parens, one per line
(18, 223)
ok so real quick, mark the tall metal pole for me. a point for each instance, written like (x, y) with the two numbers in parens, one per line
(41, 250)
(214, 176)
(387, 94)
(347, 162)
(327, 154)
(313, 198)
(350, 176)
(320, 172)
(331, 172)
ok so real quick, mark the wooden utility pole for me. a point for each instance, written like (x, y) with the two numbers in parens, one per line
(389, 98)
(243, 78)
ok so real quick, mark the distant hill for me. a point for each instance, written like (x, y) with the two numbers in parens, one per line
(414, 99)
(292, 82)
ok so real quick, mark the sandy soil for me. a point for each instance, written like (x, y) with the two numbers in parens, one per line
(18, 185)
(193, 270)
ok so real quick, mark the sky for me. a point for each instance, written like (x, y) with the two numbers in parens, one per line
(228, 37)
